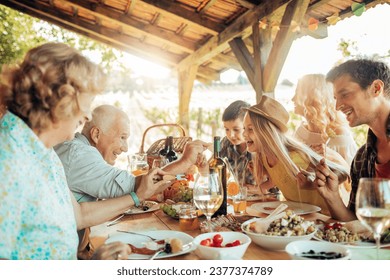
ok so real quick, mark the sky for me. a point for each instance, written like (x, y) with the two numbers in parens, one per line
(370, 31)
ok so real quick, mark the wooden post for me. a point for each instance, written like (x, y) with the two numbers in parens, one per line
(186, 82)
(200, 123)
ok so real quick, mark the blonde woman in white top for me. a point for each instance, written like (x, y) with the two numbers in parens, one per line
(324, 128)
(324, 125)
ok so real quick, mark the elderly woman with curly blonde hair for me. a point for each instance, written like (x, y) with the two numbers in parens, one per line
(46, 98)
(289, 163)
(324, 125)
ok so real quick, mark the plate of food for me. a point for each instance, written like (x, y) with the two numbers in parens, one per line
(351, 234)
(298, 207)
(144, 244)
(145, 207)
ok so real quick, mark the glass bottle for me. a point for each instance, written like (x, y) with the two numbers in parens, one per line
(171, 154)
(217, 164)
(163, 152)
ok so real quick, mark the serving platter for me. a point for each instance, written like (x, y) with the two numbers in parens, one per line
(140, 241)
(298, 207)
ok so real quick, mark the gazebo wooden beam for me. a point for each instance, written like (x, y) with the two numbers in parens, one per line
(208, 73)
(295, 11)
(227, 60)
(186, 83)
(239, 28)
(244, 58)
(258, 71)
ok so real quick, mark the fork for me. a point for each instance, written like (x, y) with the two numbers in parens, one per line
(141, 234)
(185, 247)
(157, 253)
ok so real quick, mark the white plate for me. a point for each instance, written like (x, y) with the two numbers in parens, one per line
(135, 210)
(356, 244)
(139, 241)
(297, 207)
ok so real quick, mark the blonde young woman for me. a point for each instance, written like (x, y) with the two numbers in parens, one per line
(46, 98)
(289, 163)
(315, 102)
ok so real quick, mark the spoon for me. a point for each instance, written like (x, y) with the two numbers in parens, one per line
(263, 224)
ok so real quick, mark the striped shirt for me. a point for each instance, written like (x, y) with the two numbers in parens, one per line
(363, 164)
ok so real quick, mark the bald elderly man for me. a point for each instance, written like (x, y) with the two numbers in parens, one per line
(88, 159)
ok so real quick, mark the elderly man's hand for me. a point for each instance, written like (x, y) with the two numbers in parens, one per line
(152, 183)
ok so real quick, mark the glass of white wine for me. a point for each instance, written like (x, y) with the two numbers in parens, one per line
(373, 206)
(208, 195)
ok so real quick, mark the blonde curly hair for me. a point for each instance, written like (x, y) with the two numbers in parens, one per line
(45, 86)
(315, 95)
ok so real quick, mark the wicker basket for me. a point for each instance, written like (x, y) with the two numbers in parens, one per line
(153, 151)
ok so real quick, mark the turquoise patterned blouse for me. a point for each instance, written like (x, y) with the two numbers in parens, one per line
(36, 214)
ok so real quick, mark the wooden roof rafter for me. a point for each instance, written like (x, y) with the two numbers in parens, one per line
(149, 29)
(240, 27)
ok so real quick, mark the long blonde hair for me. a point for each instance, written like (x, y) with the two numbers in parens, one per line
(45, 86)
(269, 139)
(315, 95)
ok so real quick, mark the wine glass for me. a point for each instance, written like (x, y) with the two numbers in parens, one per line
(373, 206)
(208, 195)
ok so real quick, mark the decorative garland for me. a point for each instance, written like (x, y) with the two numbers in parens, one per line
(312, 23)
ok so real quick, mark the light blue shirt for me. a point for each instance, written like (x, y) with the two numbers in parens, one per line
(36, 214)
(89, 175)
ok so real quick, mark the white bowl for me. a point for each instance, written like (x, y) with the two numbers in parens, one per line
(272, 242)
(222, 253)
(298, 249)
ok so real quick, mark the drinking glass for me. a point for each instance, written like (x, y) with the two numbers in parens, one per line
(373, 206)
(239, 201)
(159, 163)
(208, 195)
(139, 164)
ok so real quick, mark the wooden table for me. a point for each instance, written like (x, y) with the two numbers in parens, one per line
(158, 220)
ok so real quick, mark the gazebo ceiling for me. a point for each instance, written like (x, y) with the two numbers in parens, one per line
(178, 34)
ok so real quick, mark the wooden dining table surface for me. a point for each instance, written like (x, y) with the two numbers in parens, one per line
(158, 220)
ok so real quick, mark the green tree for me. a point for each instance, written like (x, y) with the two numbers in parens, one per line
(15, 35)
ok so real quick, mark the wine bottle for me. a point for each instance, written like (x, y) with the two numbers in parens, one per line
(218, 165)
(171, 154)
(163, 152)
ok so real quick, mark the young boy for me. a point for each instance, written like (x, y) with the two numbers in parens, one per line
(233, 145)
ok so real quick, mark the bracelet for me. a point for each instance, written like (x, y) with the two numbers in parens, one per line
(135, 198)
